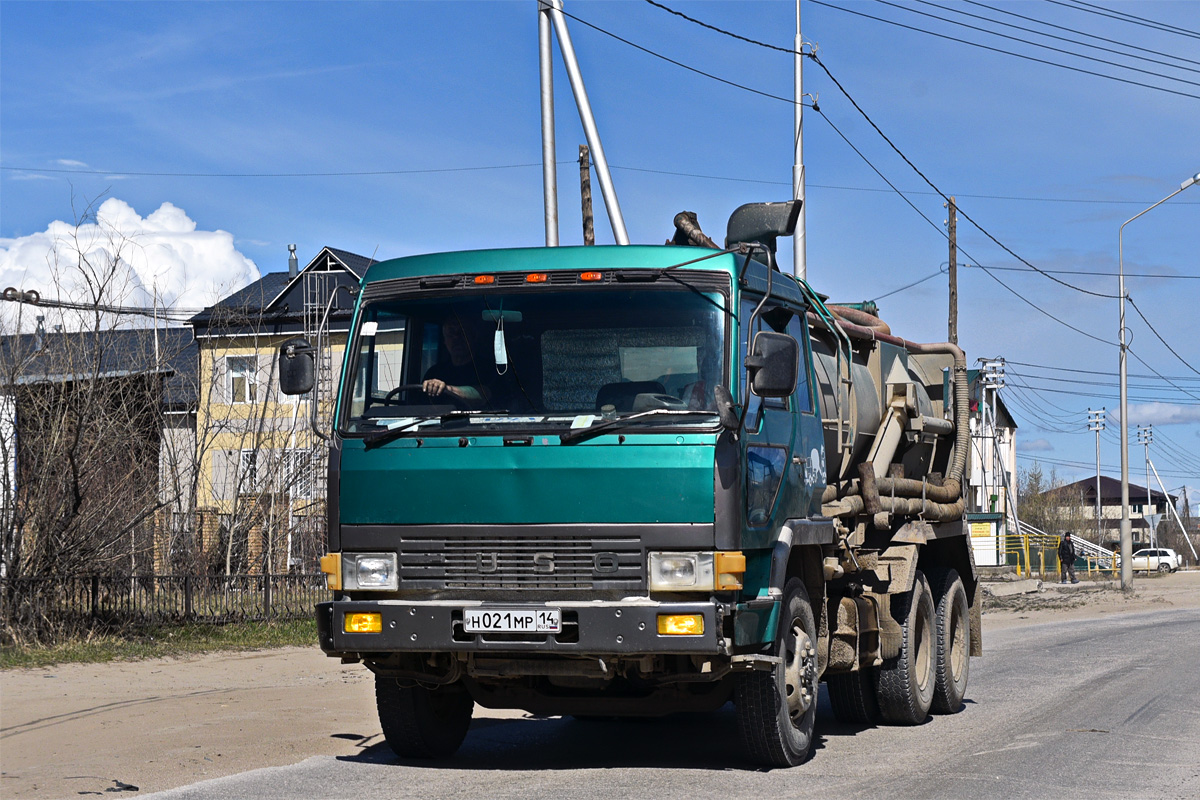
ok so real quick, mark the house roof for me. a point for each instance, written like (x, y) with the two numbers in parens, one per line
(34, 358)
(1110, 492)
(278, 297)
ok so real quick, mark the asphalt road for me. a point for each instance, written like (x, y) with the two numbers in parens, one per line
(1101, 708)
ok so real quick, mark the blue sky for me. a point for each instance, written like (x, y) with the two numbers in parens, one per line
(1050, 161)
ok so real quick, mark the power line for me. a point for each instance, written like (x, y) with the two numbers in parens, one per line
(1059, 462)
(1082, 33)
(1084, 371)
(1031, 44)
(897, 150)
(1160, 338)
(1121, 16)
(275, 174)
(1008, 52)
(730, 178)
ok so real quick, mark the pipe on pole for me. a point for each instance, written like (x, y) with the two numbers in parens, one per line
(553, 8)
(1173, 510)
(549, 167)
(799, 240)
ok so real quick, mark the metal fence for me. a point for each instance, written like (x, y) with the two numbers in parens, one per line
(73, 602)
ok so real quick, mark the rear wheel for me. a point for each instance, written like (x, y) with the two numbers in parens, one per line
(422, 723)
(777, 710)
(1164, 567)
(852, 697)
(953, 645)
(906, 683)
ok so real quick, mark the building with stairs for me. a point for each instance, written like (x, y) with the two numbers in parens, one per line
(261, 469)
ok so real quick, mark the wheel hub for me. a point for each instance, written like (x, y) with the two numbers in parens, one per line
(800, 673)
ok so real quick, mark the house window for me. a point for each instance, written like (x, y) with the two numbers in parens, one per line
(249, 472)
(243, 378)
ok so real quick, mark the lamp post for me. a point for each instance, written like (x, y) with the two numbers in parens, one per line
(1126, 532)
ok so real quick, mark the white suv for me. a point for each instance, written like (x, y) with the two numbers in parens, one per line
(1162, 559)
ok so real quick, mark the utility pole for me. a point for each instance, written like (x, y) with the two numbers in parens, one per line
(952, 224)
(799, 239)
(585, 194)
(1096, 423)
(1145, 434)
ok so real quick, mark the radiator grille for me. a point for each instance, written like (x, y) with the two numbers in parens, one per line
(522, 562)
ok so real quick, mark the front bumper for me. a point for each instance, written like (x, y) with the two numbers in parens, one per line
(593, 628)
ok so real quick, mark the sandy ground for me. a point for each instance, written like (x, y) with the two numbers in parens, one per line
(96, 729)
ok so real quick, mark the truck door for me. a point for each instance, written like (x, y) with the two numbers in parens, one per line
(768, 439)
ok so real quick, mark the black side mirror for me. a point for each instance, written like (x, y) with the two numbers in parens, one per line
(296, 369)
(772, 364)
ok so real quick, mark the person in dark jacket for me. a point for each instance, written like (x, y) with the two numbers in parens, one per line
(1066, 558)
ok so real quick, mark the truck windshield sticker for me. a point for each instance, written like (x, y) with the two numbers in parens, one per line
(583, 421)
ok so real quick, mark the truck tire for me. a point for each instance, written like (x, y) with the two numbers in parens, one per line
(905, 684)
(852, 697)
(777, 710)
(953, 645)
(422, 723)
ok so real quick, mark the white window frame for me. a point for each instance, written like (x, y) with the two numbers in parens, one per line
(249, 372)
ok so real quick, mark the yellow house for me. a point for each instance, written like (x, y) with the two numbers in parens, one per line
(261, 471)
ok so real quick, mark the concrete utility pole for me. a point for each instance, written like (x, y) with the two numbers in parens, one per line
(799, 239)
(585, 194)
(952, 225)
(1096, 423)
(1126, 530)
(1145, 434)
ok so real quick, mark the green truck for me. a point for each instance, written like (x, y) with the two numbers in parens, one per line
(623, 481)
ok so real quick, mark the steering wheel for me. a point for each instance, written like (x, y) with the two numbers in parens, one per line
(458, 402)
(387, 398)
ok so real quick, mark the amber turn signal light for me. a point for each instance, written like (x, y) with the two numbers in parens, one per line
(680, 624)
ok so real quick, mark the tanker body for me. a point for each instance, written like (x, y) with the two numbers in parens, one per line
(629, 481)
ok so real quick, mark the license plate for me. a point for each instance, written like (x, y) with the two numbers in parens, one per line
(512, 620)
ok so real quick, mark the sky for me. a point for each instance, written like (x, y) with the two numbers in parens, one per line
(206, 137)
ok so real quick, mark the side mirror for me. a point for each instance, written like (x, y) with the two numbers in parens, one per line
(772, 364)
(296, 368)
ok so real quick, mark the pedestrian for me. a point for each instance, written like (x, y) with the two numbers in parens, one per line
(1066, 558)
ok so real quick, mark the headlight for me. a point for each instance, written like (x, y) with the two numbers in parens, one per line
(676, 572)
(369, 571)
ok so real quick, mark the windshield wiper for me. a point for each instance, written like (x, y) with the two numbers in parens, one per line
(391, 434)
(581, 434)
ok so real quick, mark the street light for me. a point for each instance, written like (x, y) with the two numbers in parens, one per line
(1126, 532)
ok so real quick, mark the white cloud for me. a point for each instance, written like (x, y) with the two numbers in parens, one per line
(70, 162)
(137, 260)
(1161, 414)
(1035, 446)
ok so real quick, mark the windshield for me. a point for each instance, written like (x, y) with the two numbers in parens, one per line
(536, 359)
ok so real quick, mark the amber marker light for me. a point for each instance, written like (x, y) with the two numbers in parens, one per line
(484, 280)
(591, 276)
(363, 623)
(536, 277)
(680, 624)
(331, 565)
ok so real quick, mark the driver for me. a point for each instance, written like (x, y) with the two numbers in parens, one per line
(458, 376)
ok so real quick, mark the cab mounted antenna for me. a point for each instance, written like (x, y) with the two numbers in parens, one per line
(550, 13)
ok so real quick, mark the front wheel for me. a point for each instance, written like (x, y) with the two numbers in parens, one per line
(422, 723)
(777, 710)
(906, 683)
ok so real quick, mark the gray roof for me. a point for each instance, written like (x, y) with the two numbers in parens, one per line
(278, 298)
(30, 359)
